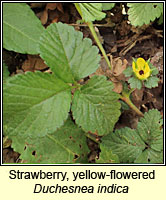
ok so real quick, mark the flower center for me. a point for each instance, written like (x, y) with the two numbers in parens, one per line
(141, 72)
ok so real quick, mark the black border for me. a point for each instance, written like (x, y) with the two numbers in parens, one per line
(93, 165)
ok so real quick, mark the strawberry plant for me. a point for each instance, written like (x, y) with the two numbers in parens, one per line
(48, 116)
(142, 71)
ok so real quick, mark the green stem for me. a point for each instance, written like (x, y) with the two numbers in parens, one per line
(132, 90)
(125, 96)
(90, 25)
(126, 99)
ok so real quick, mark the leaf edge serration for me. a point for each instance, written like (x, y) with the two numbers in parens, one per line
(92, 125)
(8, 124)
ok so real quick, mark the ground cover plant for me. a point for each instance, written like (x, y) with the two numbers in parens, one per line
(66, 106)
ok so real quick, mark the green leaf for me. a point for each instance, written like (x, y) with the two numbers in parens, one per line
(35, 104)
(135, 82)
(67, 54)
(66, 145)
(149, 129)
(150, 157)
(106, 156)
(107, 6)
(90, 11)
(143, 145)
(128, 72)
(124, 106)
(95, 106)
(21, 28)
(161, 19)
(151, 82)
(126, 143)
(154, 70)
(143, 13)
(5, 73)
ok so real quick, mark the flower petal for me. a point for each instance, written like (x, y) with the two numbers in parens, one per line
(134, 66)
(141, 77)
(147, 68)
(141, 69)
(146, 75)
(140, 63)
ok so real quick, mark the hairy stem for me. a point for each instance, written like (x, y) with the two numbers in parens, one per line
(90, 25)
(126, 99)
(125, 96)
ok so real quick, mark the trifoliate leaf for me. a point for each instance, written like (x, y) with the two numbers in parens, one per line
(151, 82)
(21, 28)
(143, 145)
(107, 6)
(95, 106)
(35, 104)
(5, 72)
(106, 156)
(128, 72)
(143, 13)
(135, 82)
(66, 145)
(67, 54)
(90, 11)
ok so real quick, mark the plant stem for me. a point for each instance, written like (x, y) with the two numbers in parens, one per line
(126, 99)
(125, 96)
(90, 25)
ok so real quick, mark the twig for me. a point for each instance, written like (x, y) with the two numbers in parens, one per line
(99, 25)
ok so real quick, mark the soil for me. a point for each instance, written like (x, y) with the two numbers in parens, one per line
(120, 40)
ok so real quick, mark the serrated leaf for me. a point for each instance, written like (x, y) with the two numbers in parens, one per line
(35, 104)
(128, 72)
(143, 13)
(21, 28)
(125, 143)
(106, 156)
(151, 82)
(143, 145)
(150, 157)
(149, 129)
(135, 82)
(107, 6)
(5, 72)
(95, 106)
(91, 11)
(66, 145)
(67, 54)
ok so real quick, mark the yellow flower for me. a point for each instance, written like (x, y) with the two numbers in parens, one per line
(141, 69)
